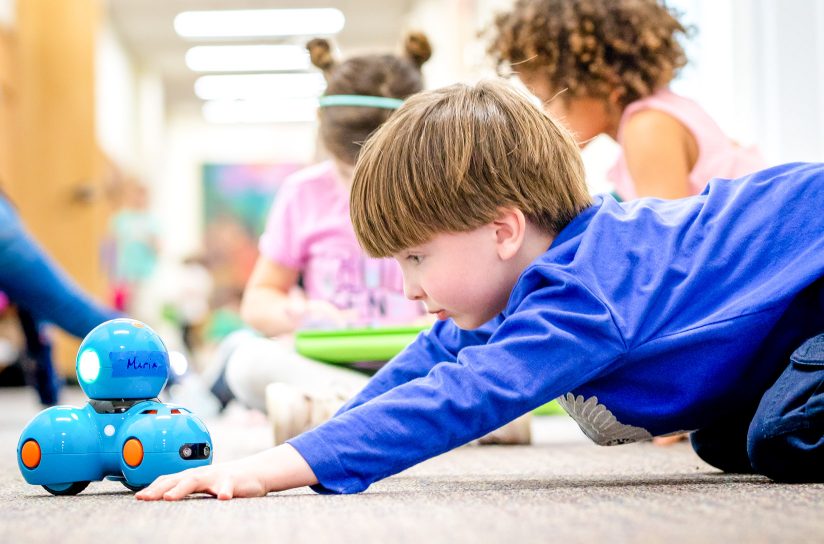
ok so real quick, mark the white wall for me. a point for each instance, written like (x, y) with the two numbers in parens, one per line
(445, 24)
(116, 105)
(459, 55)
(191, 142)
(150, 138)
(757, 66)
(8, 11)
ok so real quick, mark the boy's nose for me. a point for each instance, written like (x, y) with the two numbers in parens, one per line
(412, 291)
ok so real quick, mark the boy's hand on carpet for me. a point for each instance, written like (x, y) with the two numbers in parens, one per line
(223, 480)
(272, 470)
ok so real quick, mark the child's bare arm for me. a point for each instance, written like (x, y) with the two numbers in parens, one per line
(660, 153)
(265, 304)
(275, 469)
(270, 307)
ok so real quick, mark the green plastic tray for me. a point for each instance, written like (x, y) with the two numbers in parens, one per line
(355, 345)
(551, 408)
(348, 346)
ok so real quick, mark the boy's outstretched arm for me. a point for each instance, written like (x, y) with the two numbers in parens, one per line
(283, 467)
(275, 469)
(441, 343)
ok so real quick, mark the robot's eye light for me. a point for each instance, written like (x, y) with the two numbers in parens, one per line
(88, 366)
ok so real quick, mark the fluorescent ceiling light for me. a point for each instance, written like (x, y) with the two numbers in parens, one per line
(260, 86)
(293, 110)
(247, 58)
(259, 23)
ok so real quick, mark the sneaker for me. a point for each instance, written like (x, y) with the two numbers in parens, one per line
(517, 432)
(292, 410)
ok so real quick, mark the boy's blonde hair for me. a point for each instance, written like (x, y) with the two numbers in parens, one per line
(448, 160)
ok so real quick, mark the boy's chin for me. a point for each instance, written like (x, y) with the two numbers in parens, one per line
(468, 323)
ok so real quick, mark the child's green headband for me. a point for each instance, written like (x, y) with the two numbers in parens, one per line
(384, 102)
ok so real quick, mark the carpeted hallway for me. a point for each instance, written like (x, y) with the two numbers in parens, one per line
(562, 489)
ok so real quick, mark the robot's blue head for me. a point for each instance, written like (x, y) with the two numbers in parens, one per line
(122, 359)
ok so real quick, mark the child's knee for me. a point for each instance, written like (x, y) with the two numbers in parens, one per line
(248, 370)
(786, 438)
(238, 366)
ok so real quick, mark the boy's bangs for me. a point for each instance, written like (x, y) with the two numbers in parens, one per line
(388, 213)
(411, 181)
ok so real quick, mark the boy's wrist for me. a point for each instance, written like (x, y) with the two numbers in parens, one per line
(283, 468)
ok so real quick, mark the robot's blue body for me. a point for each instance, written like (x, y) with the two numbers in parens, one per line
(123, 433)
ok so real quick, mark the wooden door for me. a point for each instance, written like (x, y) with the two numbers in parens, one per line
(56, 183)
(8, 107)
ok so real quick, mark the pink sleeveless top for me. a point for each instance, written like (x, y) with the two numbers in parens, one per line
(718, 156)
(309, 230)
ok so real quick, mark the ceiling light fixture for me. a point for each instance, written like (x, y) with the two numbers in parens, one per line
(247, 58)
(293, 110)
(259, 23)
(260, 86)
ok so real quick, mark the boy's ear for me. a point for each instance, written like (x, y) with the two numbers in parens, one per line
(510, 229)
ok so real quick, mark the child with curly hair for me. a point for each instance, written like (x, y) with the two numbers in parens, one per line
(603, 67)
(644, 318)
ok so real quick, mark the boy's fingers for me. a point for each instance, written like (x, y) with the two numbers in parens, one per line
(225, 491)
(156, 490)
(186, 486)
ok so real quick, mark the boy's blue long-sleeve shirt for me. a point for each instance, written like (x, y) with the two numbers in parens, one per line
(645, 318)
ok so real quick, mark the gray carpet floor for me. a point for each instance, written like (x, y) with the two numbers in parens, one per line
(561, 489)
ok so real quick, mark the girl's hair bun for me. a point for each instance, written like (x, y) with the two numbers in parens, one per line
(417, 48)
(320, 53)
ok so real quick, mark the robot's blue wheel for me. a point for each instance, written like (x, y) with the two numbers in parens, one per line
(66, 489)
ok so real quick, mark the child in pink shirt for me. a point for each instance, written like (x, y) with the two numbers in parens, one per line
(309, 230)
(603, 67)
(717, 157)
(309, 239)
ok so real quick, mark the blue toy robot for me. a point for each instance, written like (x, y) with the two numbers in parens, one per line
(123, 433)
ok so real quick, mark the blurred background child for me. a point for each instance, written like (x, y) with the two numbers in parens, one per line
(311, 272)
(604, 67)
(43, 294)
(133, 241)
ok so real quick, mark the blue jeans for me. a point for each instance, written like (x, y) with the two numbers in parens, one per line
(784, 439)
(44, 294)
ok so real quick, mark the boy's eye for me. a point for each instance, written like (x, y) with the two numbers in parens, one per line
(414, 259)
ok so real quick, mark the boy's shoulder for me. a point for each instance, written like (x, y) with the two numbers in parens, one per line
(621, 236)
(622, 249)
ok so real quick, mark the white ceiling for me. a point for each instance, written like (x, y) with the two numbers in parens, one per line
(145, 27)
